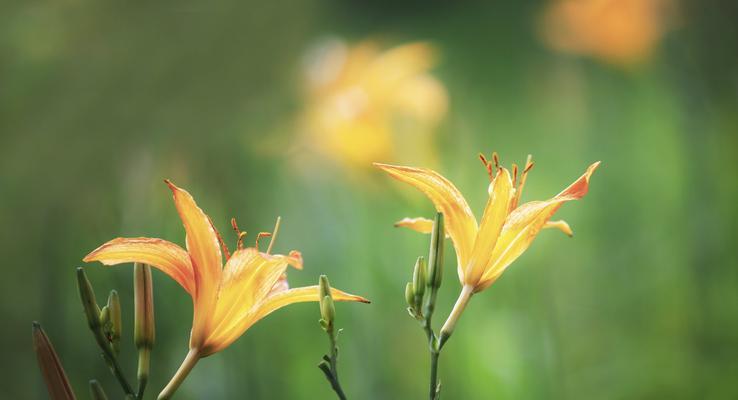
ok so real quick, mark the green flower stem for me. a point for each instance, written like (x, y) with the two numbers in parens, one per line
(189, 362)
(331, 370)
(435, 389)
(435, 352)
(112, 360)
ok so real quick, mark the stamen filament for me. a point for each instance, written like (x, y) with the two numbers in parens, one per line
(523, 176)
(220, 240)
(274, 235)
(241, 235)
(487, 166)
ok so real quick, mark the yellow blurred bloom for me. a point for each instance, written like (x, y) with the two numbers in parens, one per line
(227, 299)
(621, 32)
(365, 104)
(506, 230)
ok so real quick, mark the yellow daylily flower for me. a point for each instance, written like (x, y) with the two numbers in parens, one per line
(228, 299)
(364, 103)
(485, 249)
(506, 230)
(620, 32)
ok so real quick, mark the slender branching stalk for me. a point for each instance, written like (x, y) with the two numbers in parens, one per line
(329, 364)
(421, 294)
(104, 326)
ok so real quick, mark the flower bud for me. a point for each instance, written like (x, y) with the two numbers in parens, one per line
(144, 332)
(87, 296)
(419, 281)
(327, 311)
(325, 286)
(53, 373)
(113, 329)
(410, 295)
(105, 316)
(96, 391)
(435, 258)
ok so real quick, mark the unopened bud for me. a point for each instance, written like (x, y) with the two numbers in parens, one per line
(115, 327)
(53, 373)
(96, 391)
(87, 296)
(325, 286)
(419, 281)
(327, 311)
(410, 294)
(435, 258)
(144, 329)
(105, 316)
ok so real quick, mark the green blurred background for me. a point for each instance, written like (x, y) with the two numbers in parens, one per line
(101, 100)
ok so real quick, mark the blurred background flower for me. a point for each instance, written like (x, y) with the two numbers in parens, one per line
(364, 103)
(620, 32)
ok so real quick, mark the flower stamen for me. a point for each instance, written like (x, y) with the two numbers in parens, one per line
(240, 234)
(220, 240)
(261, 235)
(487, 166)
(523, 176)
(274, 235)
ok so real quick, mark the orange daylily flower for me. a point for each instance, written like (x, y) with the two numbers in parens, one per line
(506, 230)
(620, 32)
(228, 299)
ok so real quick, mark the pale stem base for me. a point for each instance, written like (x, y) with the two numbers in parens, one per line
(189, 362)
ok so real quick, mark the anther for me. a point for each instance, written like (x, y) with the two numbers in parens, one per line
(261, 235)
(487, 166)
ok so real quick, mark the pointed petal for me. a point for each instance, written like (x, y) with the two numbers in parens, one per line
(248, 277)
(419, 224)
(460, 223)
(223, 338)
(524, 224)
(166, 256)
(204, 250)
(495, 213)
(560, 225)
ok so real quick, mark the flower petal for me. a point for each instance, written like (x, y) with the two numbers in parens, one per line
(204, 250)
(223, 338)
(419, 224)
(166, 256)
(460, 223)
(560, 225)
(524, 224)
(248, 277)
(495, 213)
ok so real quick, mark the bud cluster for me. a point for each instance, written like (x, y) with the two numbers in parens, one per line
(421, 292)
